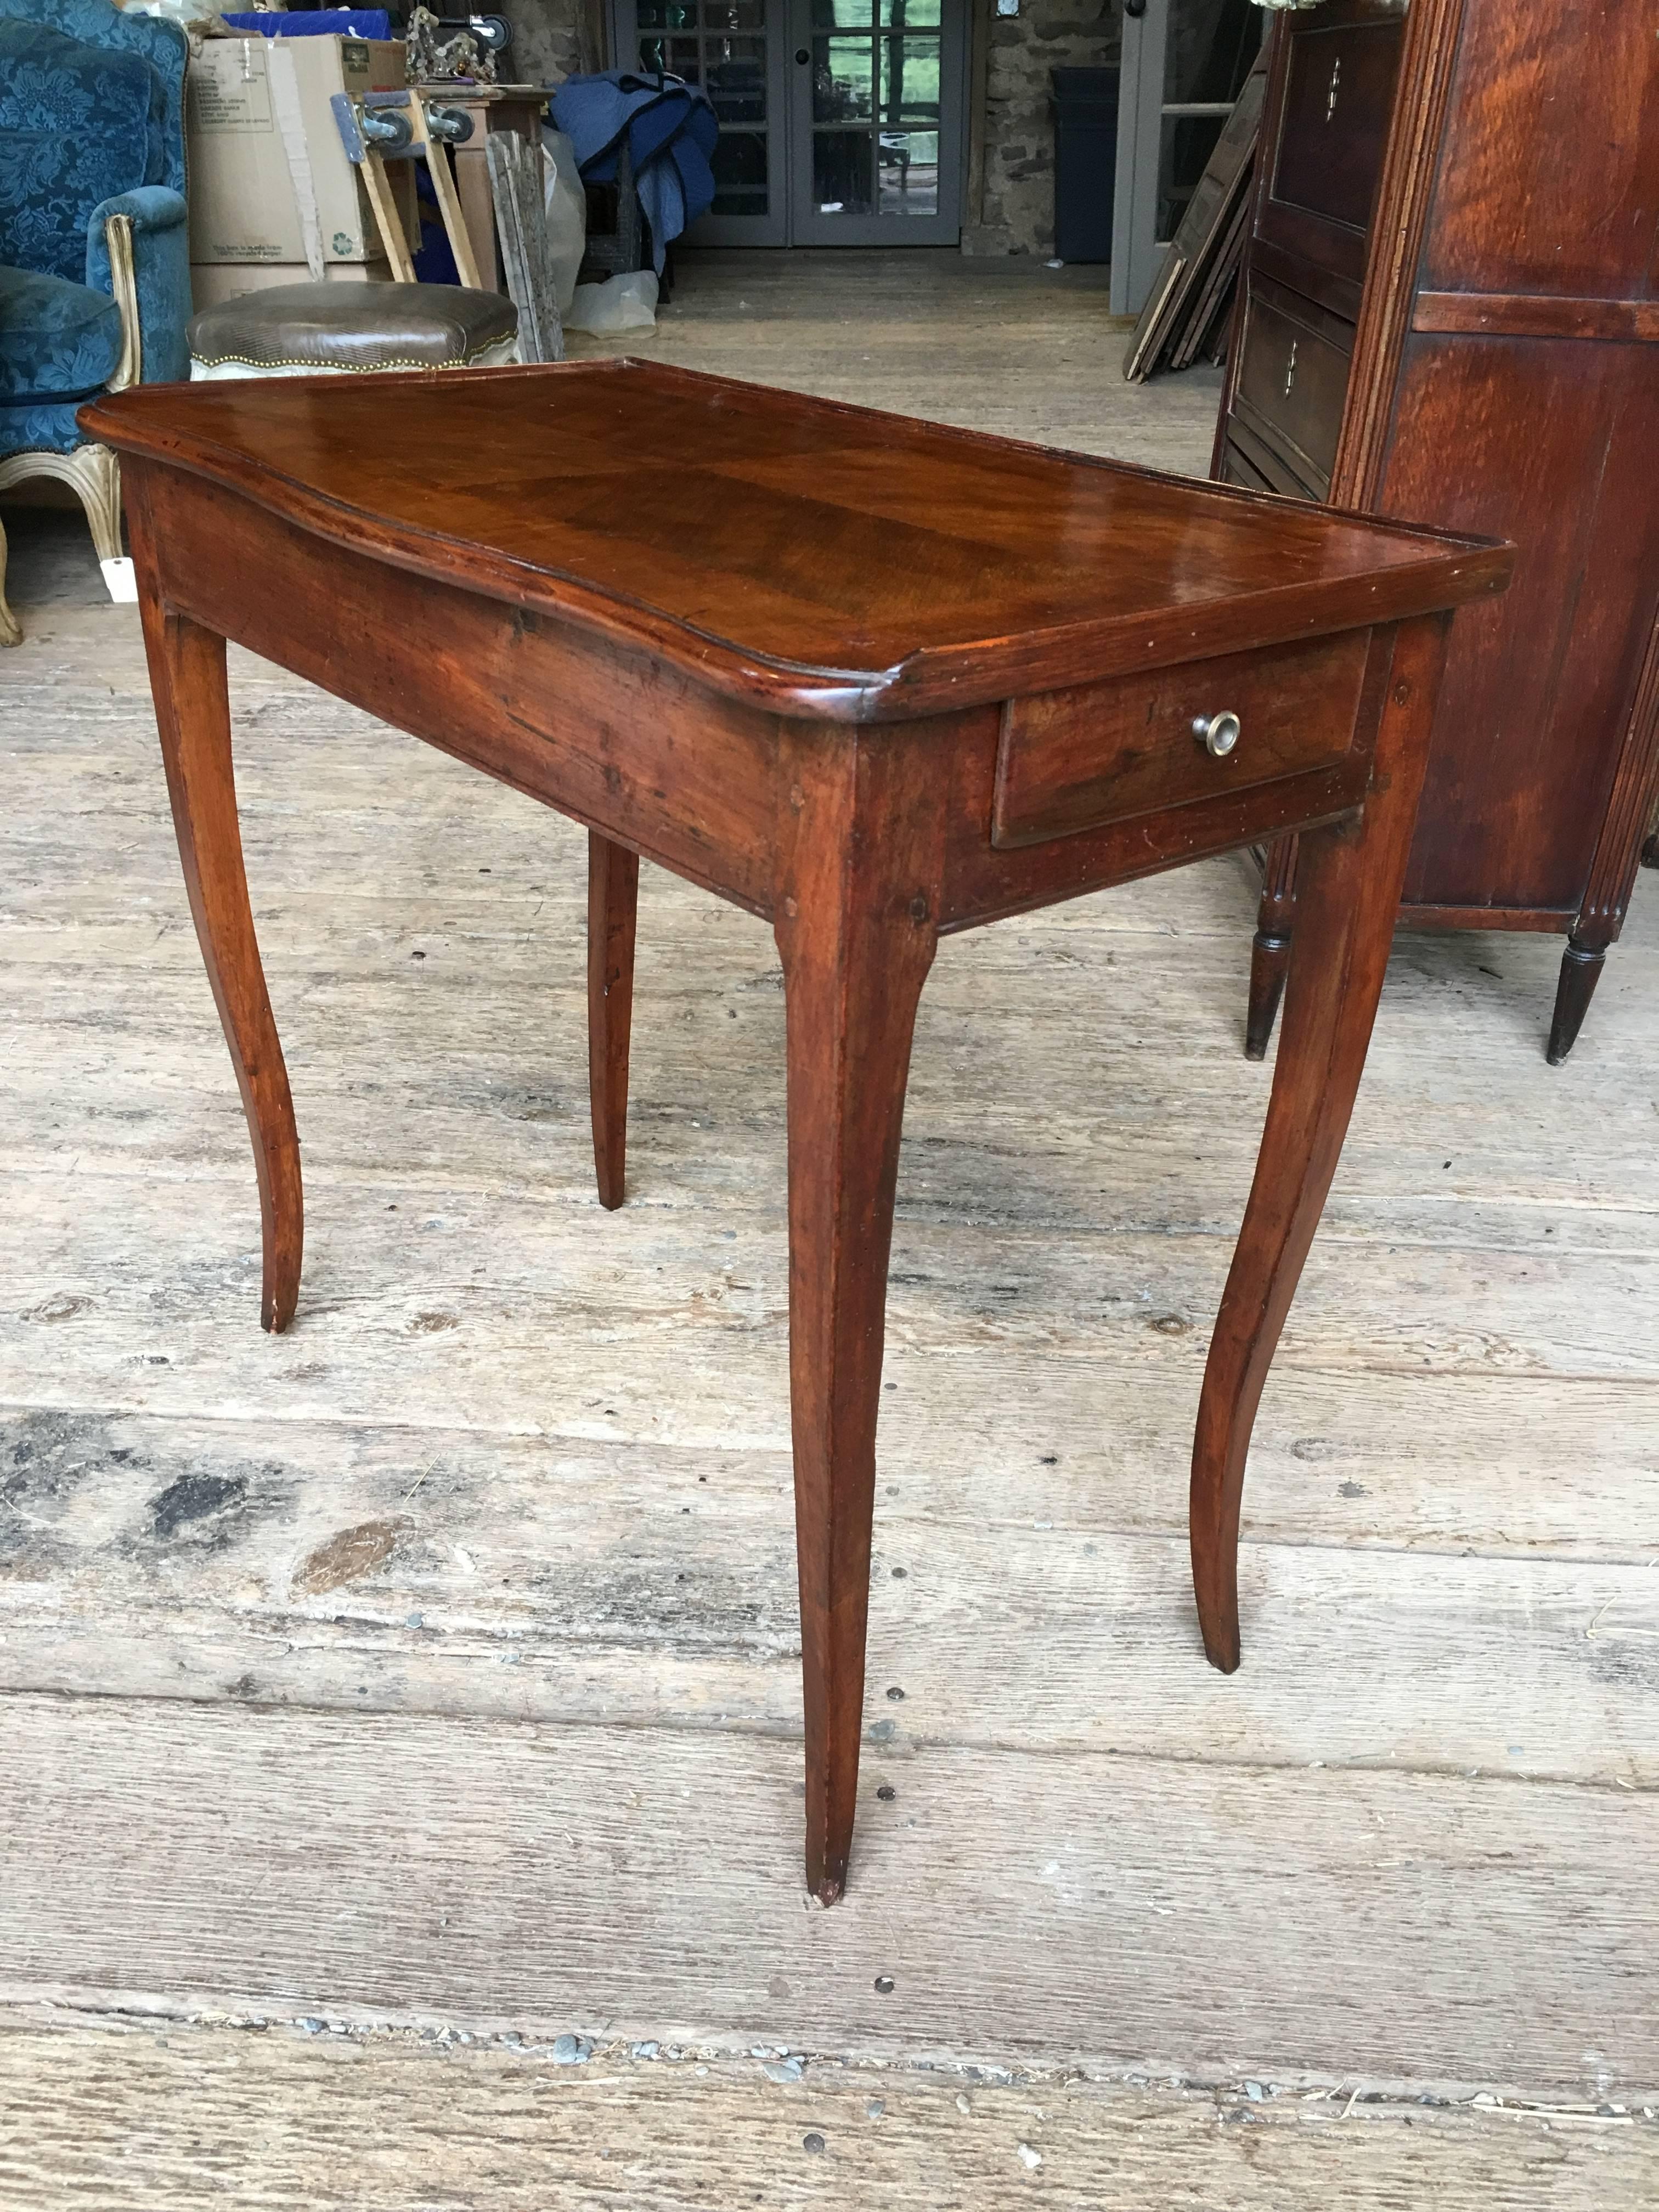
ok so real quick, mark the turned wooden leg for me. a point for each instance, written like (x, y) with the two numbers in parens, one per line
(1629, 839)
(1270, 949)
(1348, 886)
(855, 923)
(192, 711)
(1581, 971)
(613, 886)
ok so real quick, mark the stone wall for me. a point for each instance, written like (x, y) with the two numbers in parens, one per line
(1017, 210)
(552, 39)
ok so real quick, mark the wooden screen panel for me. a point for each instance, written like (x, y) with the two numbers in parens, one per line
(1550, 442)
(1549, 175)
(1269, 464)
(1293, 378)
(1236, 469)
(1338, 97)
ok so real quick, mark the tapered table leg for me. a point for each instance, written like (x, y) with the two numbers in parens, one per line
(192, 712)
(1347, 890)
(1581, 971)
(856, 904)
(613, 886)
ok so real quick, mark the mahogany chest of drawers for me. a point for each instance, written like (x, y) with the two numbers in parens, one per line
(1449, 310)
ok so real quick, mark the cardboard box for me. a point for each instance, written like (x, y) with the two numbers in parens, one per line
(265, 163)
(211, 281)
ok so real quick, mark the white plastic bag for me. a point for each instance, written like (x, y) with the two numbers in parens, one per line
(567, 213)
(621, 303)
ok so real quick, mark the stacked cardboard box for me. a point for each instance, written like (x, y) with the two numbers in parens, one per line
(273, 197)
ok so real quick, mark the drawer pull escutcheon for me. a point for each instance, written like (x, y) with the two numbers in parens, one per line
(1217, 733)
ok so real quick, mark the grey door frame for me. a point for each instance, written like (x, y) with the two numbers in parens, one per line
(789, 134)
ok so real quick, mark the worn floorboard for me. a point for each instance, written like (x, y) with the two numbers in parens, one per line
(115, 2115)
(438, 1662)
(868, 327)
(1076, 1908)
(557, 1581)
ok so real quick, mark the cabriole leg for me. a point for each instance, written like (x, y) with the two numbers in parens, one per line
(192, 712)
(1347, 893)
(9, 633)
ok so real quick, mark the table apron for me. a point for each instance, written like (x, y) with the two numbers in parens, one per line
(612, 738)
(1005, 884)
(675, 770)
(985, 880)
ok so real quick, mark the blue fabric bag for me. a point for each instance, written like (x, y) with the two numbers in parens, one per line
(671, 130)
(319, 23)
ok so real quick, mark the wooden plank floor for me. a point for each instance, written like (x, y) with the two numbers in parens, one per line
(383, 1701)
(1028, 353)
(142, 2113)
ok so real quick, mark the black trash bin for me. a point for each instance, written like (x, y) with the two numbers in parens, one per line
(1086, 162)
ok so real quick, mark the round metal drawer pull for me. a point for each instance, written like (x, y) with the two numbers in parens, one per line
(1218, 734)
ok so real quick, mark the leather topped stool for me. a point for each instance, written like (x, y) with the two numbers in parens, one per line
(311, 330)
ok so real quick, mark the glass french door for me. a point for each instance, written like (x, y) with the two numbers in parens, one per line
(876, 122)
(840, 120)
(735, 49)
(1184, 64)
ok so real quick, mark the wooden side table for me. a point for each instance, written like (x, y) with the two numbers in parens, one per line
(518, 107)
(873, 680)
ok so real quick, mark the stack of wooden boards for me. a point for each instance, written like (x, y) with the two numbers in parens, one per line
(1185, 317)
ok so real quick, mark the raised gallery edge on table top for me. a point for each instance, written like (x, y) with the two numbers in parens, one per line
(812, 556)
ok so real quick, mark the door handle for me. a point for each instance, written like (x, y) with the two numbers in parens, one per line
(802, 56)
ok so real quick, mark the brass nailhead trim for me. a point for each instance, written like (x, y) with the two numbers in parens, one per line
(348, 368)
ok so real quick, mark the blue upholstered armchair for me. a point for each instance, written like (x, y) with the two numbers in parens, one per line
(94, 256)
